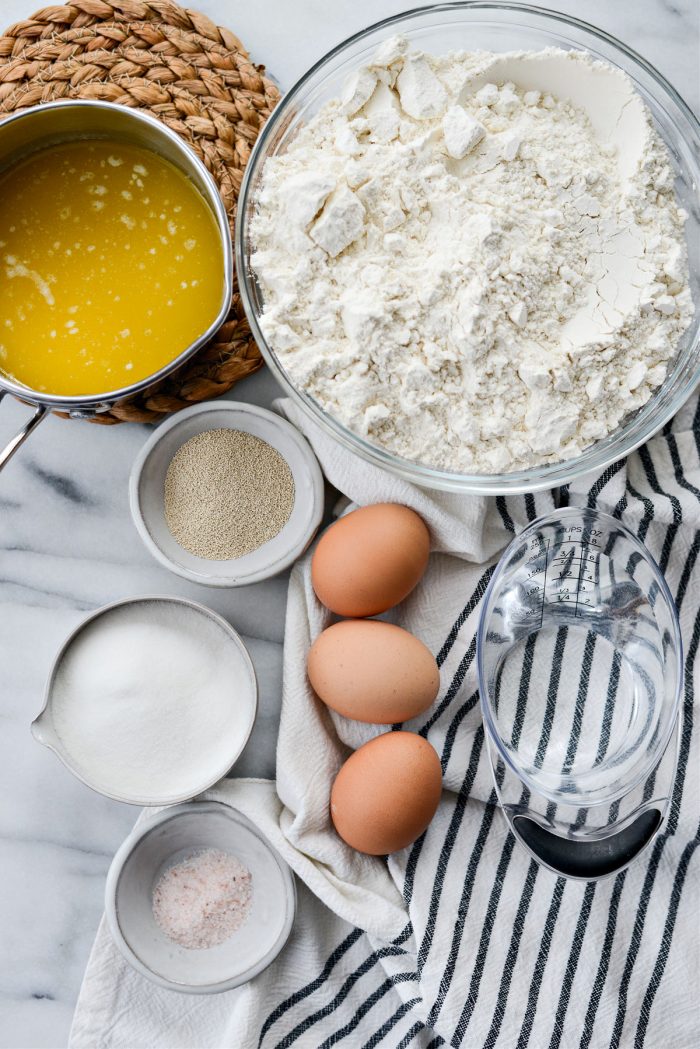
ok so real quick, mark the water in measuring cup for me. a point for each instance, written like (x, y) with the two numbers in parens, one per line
(580, 678)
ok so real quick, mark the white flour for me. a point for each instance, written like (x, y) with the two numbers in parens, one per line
(476, 260)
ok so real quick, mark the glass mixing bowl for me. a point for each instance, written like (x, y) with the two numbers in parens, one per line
(490, 27)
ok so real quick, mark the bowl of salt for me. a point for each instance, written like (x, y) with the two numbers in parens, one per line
(197, 900)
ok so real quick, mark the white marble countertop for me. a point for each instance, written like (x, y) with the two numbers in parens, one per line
(67, 545)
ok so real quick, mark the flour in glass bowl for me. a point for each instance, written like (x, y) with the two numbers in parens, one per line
(475, 261)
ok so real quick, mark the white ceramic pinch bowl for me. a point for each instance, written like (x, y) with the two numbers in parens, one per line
(168, 838)
(146, 494)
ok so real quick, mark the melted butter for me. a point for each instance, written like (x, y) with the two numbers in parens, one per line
(110, 266)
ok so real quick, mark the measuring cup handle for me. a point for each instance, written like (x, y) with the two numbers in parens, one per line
(588, 859)
(19, 438)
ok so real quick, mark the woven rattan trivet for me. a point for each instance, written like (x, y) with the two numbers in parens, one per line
(194, 76)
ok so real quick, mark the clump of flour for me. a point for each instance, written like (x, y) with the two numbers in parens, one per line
(468, 269)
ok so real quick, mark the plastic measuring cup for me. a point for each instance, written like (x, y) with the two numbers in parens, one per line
(580, 676)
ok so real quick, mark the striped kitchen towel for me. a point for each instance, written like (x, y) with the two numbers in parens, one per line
(461, 939)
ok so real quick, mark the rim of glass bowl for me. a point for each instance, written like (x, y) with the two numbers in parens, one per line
(643, 768)
(647, 421)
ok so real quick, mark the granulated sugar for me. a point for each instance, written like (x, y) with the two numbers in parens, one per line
(226, 493)
(203, 900)
(151, 700)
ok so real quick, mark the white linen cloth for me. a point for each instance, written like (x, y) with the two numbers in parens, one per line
(460, 939)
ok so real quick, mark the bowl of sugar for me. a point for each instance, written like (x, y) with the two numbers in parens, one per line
(150, 700)
(197, 900)
(226, 494)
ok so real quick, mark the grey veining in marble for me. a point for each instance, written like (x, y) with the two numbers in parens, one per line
(67, 545)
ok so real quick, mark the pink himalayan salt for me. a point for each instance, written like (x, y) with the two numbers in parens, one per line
(204, 899)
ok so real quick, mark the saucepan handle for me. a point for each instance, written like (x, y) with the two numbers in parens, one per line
(19, 438)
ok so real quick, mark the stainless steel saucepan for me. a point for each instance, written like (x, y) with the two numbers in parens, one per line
(55, 122)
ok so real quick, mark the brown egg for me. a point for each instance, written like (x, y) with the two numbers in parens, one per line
(370, 559)
(386, 793)
(373, 671)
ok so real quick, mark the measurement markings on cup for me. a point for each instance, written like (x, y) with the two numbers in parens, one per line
(570, 576)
